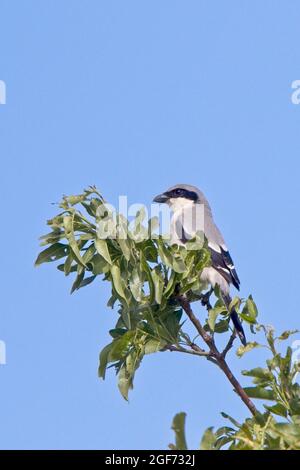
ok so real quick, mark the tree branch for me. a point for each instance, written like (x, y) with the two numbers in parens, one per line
(219, 358)
(229, 344)
(194, 352)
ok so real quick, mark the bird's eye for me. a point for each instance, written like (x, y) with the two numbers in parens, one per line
(178, 191)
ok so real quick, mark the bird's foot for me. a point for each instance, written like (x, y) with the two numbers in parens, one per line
(205, 299)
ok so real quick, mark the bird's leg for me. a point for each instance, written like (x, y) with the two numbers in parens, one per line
(177, 288)
(205, 299)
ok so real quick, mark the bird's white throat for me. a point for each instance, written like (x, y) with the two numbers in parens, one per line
(179, 203)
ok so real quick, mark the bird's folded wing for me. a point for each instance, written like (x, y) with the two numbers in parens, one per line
(222, 262)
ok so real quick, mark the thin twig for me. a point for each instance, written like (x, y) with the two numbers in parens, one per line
(229, 344)
(194, 352)
(191, 343)
(185, 304)
(215, 355)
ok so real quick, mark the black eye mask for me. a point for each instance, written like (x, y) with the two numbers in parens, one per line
(181, 192)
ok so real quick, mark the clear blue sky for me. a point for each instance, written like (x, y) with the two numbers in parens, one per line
(134, 97)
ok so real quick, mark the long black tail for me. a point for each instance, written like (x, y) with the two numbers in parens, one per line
(236, 321)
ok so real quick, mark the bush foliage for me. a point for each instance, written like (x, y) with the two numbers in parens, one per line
(148, 280)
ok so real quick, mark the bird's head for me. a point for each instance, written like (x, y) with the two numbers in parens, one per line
(180, 196)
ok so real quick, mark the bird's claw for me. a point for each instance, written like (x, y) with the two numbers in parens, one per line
(205, 299)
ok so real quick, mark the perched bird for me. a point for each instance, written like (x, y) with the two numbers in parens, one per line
(191, 214)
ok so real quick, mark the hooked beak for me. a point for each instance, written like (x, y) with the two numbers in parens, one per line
(162, 198)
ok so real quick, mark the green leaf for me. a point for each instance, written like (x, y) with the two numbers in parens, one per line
(169, 290)
(222, 441)
(146, 269)
(121, 346)
(140, 216)
(244, 349)
(52, 253)
(221, 326)
(125, 248)
(277, 409)
(220, 309)
(158, 285)
(212, 317)
(232, 420)
(136, 284)
(134, 358)
(286, 334)
(204, 259)
(270, 338)
(178, 427)
(259, 392)
(95, 204)
(124, 382)
(98, 265)
(90, 210)
(61, 267)
(117, 332)
(102, 248)
(295, 405)
(126, 373)
(150, 251)
(164, 254)
(68, 264)
(218, 294)
(234, 304)
(224, 430)
(111, 302)
(73, 200)
(178, 265)
(139, 233)
(153, 346)
(153, 224)
(87, 236)
(122, 238)
(103, 360)
(290, 433)
(258, 372)
(69, 231)
(286, 363)
(78, 281)
(249, 313)
(252, 308)
(247, 319)
(118, 281)
(87, 281)
(89, 253)
(52, 237)
(208, 440)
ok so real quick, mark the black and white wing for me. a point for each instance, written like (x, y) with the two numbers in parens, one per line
(222, 262)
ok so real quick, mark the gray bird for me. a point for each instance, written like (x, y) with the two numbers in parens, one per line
(191, 214)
